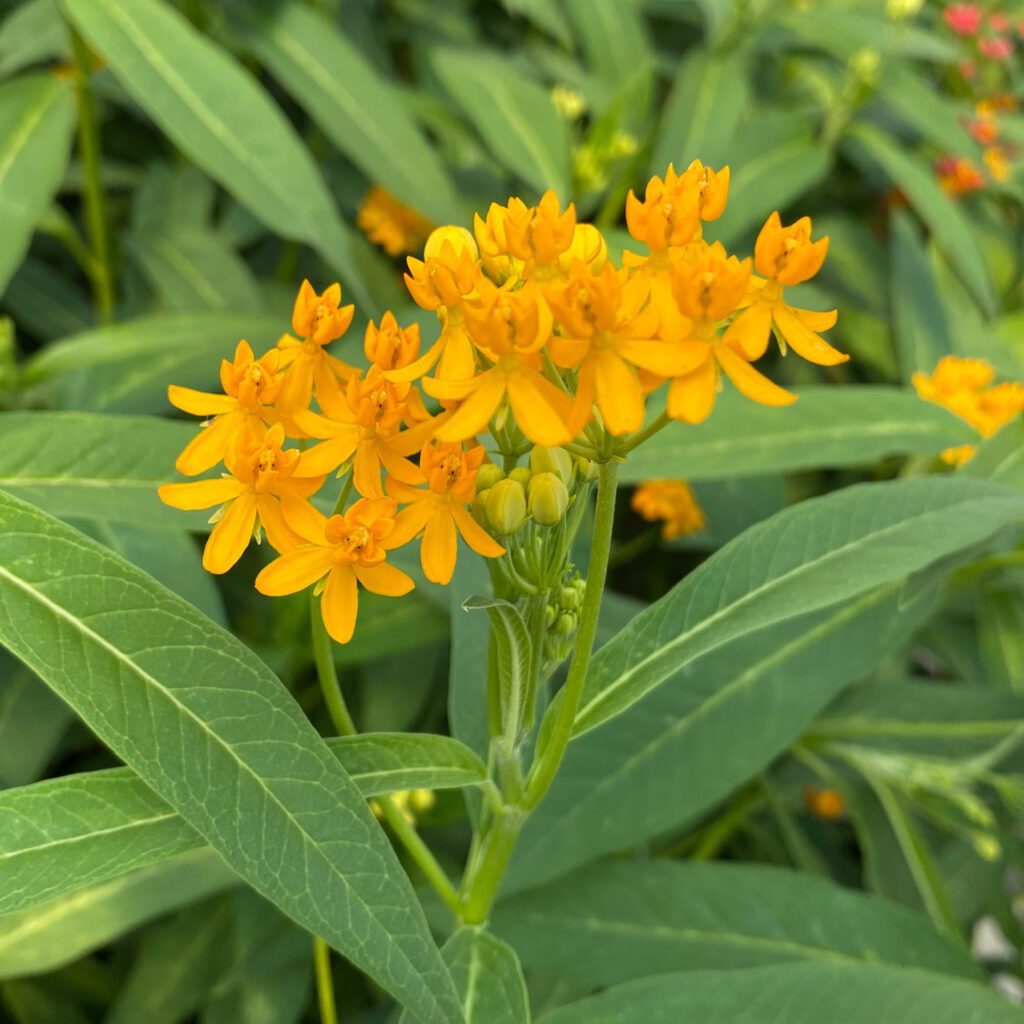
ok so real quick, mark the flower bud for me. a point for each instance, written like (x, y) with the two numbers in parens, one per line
(522, 475)
(566, 624)
(479, 509)
(488, 475)
(553, 460)
(459, 238)
(506, 507)
(586, 469)
(549, 498)
(550, 614)
(571, 598)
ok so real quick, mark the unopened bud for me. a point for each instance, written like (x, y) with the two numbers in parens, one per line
(460, 239)
(571, 598)
(506, 506)
(586, 469)
(488, 475)
(549, 498)
(479, 509)
(550, 614)
(553, 460)
(522, 475)
(566, 624)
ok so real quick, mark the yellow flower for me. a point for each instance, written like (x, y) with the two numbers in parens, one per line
(705, 290)
(996, 162)
(672, 502)
(785, 256)
(251, 387)
(510, 328)
(963, 386)
(826, 804)
(439, 511)
(672, 209)
(440, 282)
(365, 422)
(262, 492)
(588, 246)
(392, 225)
(605, 334)
(343, 552)
(537, 236)
(389, 346)
(317, 320)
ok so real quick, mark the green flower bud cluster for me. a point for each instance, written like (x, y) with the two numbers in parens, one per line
(541, 492)
(561, 616)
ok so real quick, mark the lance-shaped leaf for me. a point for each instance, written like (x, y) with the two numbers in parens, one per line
(489, 979)
(66, 833)
(829, 426)
(211, 730)
(809, 556)
(617, 921)
(794, 994)
(32, 723)
(37, 114)
(217, 114)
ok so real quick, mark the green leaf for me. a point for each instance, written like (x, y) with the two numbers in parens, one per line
(94, 466)
(920, 327)
(37, 115)
(268, 977)
(770, 181)
(467, 690)
(831, 425)
(514, 662)
(79, 830)
(513, 115)
(1000, 458)
(618, 921)
(175, 967)
(946, 220)
(794, 994)
(219, 116)
(192, 269)
(488, 977)
(32, 723)
(1001, 637)
(43, 938)
(145, 355)
(809, 556)
(354, 106)
(31, 32)
(29, 299)
(738, 707)
(545, 14)
(702, 111)
(211, 730)
(929, 111)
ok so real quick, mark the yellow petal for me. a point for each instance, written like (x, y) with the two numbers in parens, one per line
(339, 603)
(280, 536)
(383, 579)
(475, 535)
(451, 390)
(302, 517)
(750, 382)
(804, 341)
(209, 446)
(619, 395)
(231, 535)
(692, 397)
(439, 547)
(294, 571)
(400, 468)
(200, 494)
(200, 403)
(472, 417)
(366, 470)
(814, 320)
(541, 410)
(409, 523)
(416, 369)
(327, 456)
(410, 441)
(661, 357)
(751, 330)
(316, 425)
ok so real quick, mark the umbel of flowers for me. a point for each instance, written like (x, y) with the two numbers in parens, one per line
(542, 366)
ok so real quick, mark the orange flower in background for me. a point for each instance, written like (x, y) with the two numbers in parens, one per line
(439, 511)
(958, 176)
(826, 804)
(672, 503)
(318, 320)
(964, 387)
(262, 493)
(604, 335)
(251, 387)
(344, 552)
(392, 225)
(365, 424)
(784, 256)
(705, 290)
(510, 328)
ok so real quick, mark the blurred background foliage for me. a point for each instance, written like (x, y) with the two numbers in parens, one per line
(244, 145)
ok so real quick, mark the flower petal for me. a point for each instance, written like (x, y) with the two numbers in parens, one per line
(804, 341)
(295, 571)
(751, 330)
(661, 357)
(366, 470)
(302, 517)
(619, 395)
(209, 446)
(409, 523)
(472, 417)
(200, 493)
(400, 468)
(339, 603)
(200, 403)
(475, 535)
(281, 536)
(383, 579)
(327, 456)
(231, 535)
(542, 410)
(750, 382)
(692, 397)
(814, 320)
(439, 547)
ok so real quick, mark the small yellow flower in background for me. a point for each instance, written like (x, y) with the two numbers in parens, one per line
(965, 388)
(439, 511)
(251, 387)
(673, 503)
(343, 552)
(317, 320)
(392, 225)
(785, 256)
(569, 103)
(997, 163)
(826, 804)
(262, 493)
(411, 803)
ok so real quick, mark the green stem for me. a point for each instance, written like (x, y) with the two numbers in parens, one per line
(544, 771)
(724, 827)
(341, 718)
(649, 431)
(95, 205)
(495, 853)
(324, 982)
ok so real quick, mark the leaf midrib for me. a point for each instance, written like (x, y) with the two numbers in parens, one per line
(22, 135)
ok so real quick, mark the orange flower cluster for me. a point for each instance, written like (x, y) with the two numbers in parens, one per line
(392, 225)
(543, 340)
(964, 386)
(672, 503)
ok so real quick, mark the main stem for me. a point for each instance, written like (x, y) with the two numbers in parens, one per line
(345, 726)
(324, 982)
(499, 843)
(101, 274)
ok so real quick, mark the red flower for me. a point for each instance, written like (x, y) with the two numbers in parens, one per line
(963, 19)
